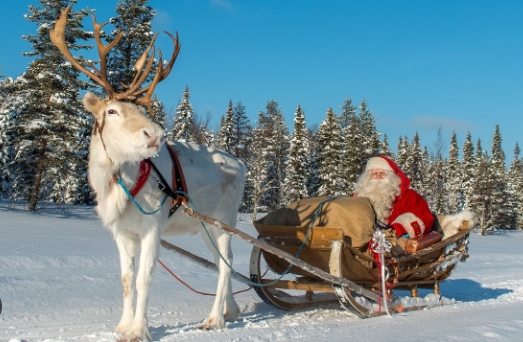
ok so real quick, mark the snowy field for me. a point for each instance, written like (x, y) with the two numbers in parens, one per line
(59, 281)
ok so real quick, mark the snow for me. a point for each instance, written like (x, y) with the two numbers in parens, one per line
(59, 281)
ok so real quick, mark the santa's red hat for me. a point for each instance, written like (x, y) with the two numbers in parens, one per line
(387, 164)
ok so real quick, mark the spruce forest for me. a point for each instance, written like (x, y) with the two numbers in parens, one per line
(45, 134)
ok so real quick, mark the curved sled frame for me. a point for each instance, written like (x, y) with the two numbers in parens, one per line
(424, 269)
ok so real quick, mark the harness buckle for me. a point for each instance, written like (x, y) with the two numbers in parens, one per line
(161, 186)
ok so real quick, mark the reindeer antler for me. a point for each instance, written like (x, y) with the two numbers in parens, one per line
(133, 92)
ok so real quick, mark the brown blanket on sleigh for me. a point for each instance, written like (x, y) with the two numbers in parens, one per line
(354, 216)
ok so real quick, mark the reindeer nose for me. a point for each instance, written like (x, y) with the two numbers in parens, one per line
(150, 136)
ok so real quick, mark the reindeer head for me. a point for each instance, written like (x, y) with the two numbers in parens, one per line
(126, 133)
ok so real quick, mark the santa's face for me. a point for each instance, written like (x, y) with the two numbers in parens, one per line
(381, 187)
(378, 174)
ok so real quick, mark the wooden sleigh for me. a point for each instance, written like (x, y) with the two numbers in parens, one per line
(297, 267)
(326, 249)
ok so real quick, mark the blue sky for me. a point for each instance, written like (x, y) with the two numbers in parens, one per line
(419, 65)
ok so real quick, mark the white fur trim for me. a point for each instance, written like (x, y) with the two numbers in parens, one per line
(377, 163)
(406, 220)
(451, 224)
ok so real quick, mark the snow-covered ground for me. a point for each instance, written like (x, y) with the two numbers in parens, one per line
(59, 281)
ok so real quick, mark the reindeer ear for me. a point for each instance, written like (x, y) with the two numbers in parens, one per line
(94, 104)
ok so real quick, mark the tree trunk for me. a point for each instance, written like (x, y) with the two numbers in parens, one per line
(33, 198)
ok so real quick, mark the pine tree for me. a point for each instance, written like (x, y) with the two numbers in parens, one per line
(201, 132)
(249, 159)
(50, 131)
(515, 187)
(480, 198)
(468, 165)
(241, 129)
(414, 163)
(403, 153)
(134, 20)
(276, 152)
(438, 199)
(183, 127)
(331, 175)
(385, 149)
(351, 144)
(297, 168)
(426, 185)
(226, 139)
(206, 138)
(454, 177)
(257, 183)
(159, 112)
(502, 206)
(369, 134)
(314, 181)
(8, 104)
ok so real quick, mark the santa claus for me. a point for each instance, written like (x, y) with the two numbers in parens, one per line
(395, 203)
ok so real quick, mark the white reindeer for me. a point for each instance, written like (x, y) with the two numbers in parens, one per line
(122, 137)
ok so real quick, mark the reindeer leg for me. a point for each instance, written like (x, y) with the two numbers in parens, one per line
(148, 255)
(127, 248)
(225, 306)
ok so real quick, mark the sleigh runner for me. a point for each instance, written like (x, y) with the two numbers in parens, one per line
(313, 265)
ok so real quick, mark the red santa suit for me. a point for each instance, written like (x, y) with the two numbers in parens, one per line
(410, 212)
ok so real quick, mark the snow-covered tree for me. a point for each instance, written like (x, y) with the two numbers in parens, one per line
(183, 128)
(314, 182)
(332, 177)
(225, 138)
(403, 152)
(276, 152)
(241, 128)
(468, 164)
(297, 168)
(437, 178)
(159, 112)
(8, 104)
(351, 144)
(515, 187)
(480, 198)
(415, 168)
(369, 135)
(257, 162)
(384, 147)
(206, 138)
(50, 130)
(134, 19)
(454, 177)
(502, 206)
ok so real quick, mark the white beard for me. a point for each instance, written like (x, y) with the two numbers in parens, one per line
(381, 193)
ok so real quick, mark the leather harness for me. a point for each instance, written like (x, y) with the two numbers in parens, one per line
(178, 192)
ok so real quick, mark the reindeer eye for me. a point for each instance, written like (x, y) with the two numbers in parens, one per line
(112, 111)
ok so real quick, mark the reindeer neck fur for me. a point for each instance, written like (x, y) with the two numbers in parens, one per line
(111, 200)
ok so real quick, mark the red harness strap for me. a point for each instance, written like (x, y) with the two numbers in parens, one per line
(145, 170)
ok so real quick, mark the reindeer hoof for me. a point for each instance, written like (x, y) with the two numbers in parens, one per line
(128, 339)
(232, 316)
(136, 335)
(210, 324)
